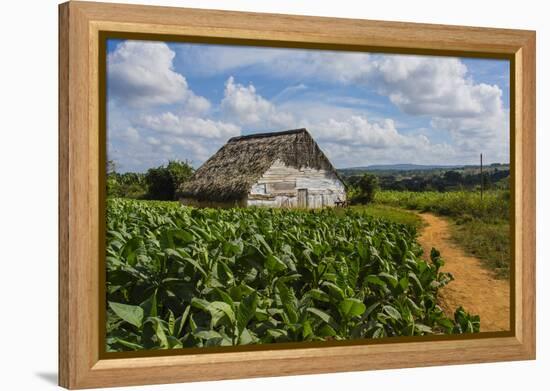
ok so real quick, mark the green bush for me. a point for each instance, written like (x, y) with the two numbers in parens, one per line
(364, 189)
(162, 182)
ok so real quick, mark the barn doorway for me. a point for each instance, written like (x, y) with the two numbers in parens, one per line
(302, 198)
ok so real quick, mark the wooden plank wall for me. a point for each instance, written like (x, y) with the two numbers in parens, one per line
(279, 185)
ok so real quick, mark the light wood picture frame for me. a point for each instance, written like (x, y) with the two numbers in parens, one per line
(83, 28)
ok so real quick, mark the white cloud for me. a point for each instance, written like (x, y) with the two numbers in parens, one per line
(215, 59)
(354, 155)
(346, 134)
(290, 64)
(131, 135)
(356, 140)
(439, 88)
(183, 125)
(141, 74)
(153, 140)
(243, 105)
(472, 113)
(142, 78)
(142, 82)
(418, 85)
(357, 130)
(168, 136)
(427, 85)
(290, 91)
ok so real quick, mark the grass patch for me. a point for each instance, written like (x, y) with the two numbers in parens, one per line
(391, 214)
(489, 241)
(480, 227)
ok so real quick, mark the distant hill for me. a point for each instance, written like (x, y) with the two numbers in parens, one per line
(401, 167)
(414, 167)
(424, 177)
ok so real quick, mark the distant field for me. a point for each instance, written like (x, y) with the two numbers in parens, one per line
(481, 227)
(465, 204)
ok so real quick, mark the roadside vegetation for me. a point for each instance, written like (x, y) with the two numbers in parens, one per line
(487, 240)
(481, 226)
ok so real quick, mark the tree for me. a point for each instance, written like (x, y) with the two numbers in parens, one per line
(163, 181)
(179, 171)
(159, 184)
(366, 188)
(113, 187)
(453, 176)
(111, 167)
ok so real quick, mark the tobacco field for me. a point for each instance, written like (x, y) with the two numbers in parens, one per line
(181, 277)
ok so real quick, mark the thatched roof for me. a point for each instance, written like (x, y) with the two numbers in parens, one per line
(230, 173)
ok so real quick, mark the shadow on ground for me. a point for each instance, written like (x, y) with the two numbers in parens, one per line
(48, 377)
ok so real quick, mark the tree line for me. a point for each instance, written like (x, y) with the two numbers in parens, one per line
(162, 182)
(430, 181)
(158, 183)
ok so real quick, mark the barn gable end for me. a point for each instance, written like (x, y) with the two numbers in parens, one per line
(279, 184)
(236, 175)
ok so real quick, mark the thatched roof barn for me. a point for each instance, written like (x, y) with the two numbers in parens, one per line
(272, 169)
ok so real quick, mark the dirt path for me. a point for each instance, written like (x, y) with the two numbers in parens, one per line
(473, 287)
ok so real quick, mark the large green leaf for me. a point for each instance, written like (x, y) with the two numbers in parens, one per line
(246, 311)
(200, 303)
(351, 307)
(132, 314)
(207, 334)
(392, 312)
(150, 306)
(324, 317)
(160, 333)
(375, 280)
(335, 291)
(180, 322)
(180, 255)
(288, 301)
(219, 309)
(319, 295)
(422, 328)
(391, 279)
(128, 344)
(274, 264)
(261, 239)
(171, 322)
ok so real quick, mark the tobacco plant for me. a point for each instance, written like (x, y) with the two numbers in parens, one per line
(185, 277)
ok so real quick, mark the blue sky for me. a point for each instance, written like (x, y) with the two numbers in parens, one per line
(184, 101)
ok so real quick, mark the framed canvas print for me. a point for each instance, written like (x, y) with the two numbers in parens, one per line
(247, 195)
